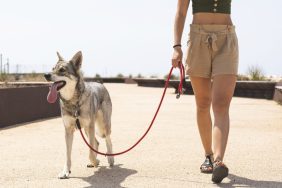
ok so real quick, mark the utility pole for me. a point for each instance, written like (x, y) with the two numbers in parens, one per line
(8, 65)
(17, 68)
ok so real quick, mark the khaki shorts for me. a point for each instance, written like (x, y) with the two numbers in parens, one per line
(212, 50)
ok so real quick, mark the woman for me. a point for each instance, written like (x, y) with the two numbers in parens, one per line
(212, 64)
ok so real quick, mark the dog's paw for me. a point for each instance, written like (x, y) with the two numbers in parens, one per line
(64, 175)
(94, 164)
(111, 160)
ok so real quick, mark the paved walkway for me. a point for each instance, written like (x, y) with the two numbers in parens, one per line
(31, 155)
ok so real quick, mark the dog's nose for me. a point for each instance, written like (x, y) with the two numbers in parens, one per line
(47, 76)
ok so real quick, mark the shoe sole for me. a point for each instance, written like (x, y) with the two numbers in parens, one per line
(206, 171)
(219, 173)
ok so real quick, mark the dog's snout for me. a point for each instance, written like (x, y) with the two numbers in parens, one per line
(47, 76)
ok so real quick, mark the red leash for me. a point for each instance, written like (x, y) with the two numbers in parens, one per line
(182, 79)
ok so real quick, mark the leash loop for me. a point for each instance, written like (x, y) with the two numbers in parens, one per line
(180, 91)
(182, 81)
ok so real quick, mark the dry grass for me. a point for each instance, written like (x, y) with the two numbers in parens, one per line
(32, 77)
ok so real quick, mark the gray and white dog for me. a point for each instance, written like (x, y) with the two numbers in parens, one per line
(89, 102)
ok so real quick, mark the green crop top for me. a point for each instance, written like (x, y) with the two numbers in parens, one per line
(214, 6)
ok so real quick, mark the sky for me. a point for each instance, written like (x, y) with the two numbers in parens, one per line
(125, 36)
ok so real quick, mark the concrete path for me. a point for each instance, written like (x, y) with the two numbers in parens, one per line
(32, 155)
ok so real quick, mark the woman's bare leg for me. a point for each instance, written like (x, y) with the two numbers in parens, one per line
(202, 90)
(222, 92)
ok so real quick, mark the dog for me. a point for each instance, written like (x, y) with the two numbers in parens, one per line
(88, 102)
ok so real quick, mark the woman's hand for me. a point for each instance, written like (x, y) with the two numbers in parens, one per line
(177, 57)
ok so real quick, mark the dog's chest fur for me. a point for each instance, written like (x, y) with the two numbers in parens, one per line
(89, 103)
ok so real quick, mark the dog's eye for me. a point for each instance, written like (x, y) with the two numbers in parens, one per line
(62, 70)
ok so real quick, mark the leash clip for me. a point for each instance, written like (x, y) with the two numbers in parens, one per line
(181, 82)
(76, 113)
(178, 95)
(77, 124)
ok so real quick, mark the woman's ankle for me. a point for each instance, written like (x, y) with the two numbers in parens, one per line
(210, 155)
(218, 158)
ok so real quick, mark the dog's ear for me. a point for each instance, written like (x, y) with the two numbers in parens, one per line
(77, 60)
(60, 57)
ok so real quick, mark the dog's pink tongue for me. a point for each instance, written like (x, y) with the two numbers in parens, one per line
(53, 93)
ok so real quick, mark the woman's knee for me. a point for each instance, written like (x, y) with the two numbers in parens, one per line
(220, 106)
(203, 104)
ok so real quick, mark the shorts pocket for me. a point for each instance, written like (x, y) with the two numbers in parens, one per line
(193, 39)
(235, 46)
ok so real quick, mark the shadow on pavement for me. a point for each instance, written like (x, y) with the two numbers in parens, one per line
(237, 181)
(2, 128)
(109, 177)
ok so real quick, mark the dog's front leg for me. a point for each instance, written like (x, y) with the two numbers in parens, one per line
(69, 139)
(94, 162)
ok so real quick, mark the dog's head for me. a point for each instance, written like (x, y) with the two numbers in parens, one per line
(64, 76)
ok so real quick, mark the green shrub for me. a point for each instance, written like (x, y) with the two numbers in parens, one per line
(172, 77)
(3, 77)
(33, 74)
(140, 76)
(256, 73)
(120, 75)
(97, 76)
(242, 77)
